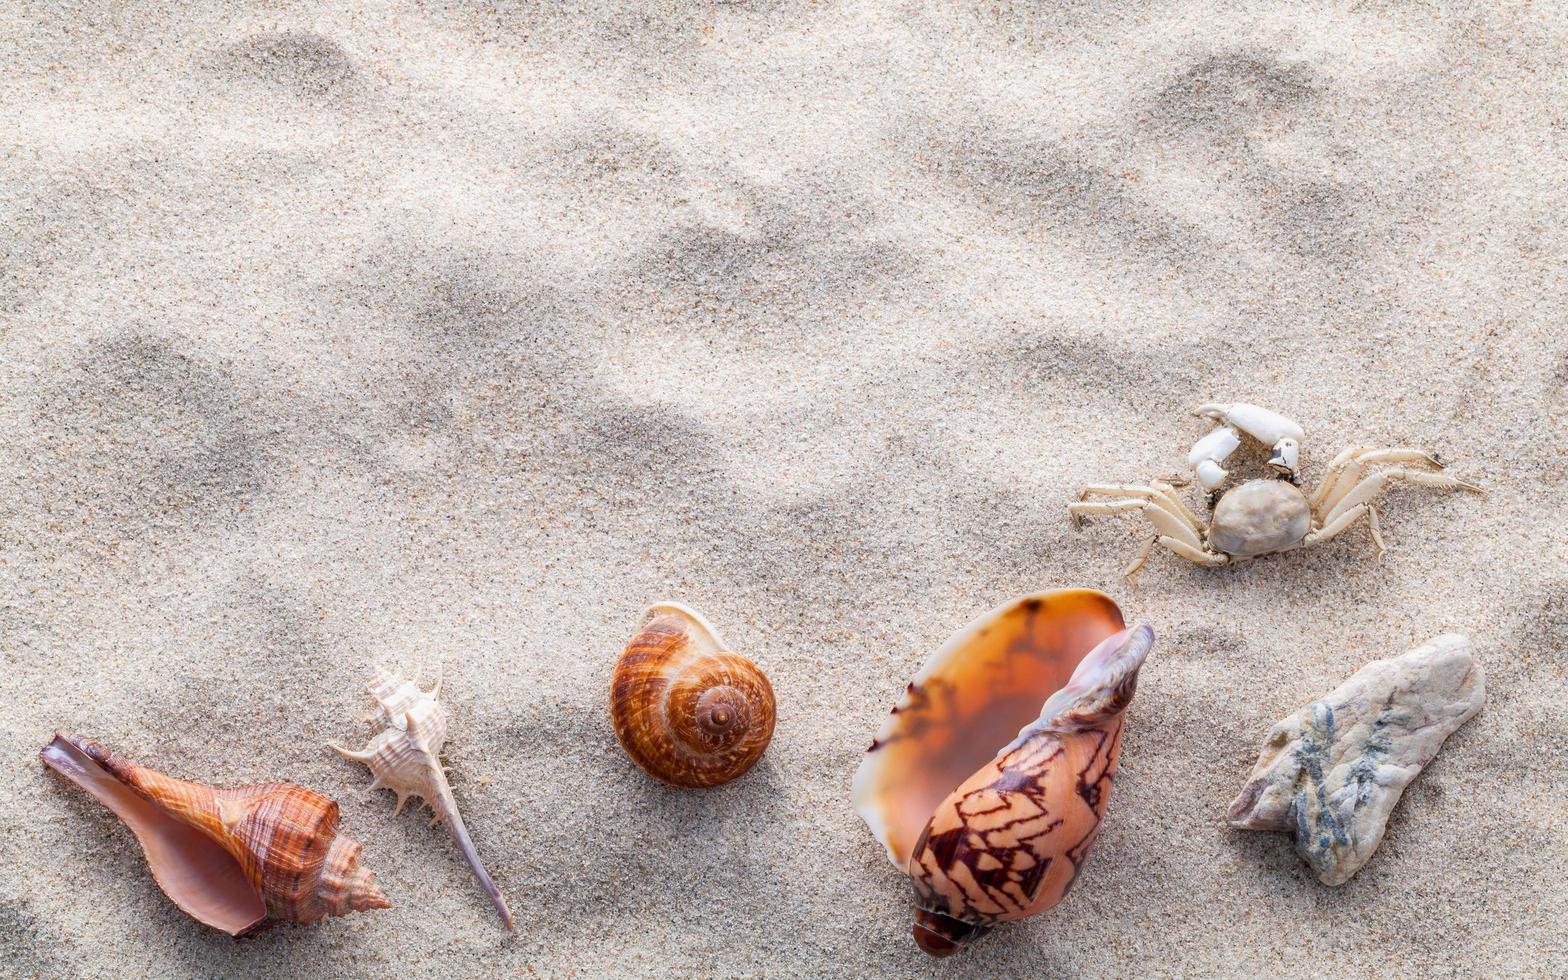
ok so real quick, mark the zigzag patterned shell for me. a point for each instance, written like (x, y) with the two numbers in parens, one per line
(992, 823)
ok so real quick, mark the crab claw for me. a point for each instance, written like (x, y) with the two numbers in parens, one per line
(1211, 474)
(1261, 424)
(1286, 452)
(1209, 452)
(1271, 428)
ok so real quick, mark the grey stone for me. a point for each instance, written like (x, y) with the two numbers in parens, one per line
(1331, 772)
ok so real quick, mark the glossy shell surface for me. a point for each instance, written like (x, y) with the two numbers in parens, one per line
(686, 710)
(971, 698)
(987, 783)
(234, 859)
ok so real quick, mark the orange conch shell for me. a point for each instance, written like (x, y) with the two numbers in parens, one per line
(992, 823)
(686, 710)
(234, 859)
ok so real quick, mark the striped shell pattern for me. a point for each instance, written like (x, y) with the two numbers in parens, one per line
(686, 710)
(235, 859)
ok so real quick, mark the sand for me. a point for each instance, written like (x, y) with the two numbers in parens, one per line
(339, 337)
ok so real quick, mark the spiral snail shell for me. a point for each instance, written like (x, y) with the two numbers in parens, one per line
(686, 710)
(990, 827)
(235, 859)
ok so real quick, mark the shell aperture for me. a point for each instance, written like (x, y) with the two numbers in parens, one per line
(990, 822)
(233, 859)
(971, 698)
(1011, 840)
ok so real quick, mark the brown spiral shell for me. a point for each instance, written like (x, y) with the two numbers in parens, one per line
(686, 710)
(234, 859)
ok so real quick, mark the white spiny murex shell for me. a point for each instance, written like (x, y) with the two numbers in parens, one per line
(405, 757)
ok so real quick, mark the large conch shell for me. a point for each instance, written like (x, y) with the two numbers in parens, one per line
(234, 859)
(405, 757)
(990, 827)
(686, 710)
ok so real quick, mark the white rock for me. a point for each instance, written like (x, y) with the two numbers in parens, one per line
(1331, 772)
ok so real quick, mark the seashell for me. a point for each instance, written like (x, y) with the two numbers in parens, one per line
(988, 801)
(1330, 773)
(686, 710)
(405, 757)
(235, 859)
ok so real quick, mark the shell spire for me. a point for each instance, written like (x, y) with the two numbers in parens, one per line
(234, 859)
(687, 710)
(405, 757)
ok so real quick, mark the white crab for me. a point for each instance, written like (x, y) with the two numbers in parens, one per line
(1261, 517)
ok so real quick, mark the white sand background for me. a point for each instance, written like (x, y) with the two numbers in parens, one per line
(339, 336)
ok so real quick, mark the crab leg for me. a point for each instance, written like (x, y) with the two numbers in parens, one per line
(1178, 530)
(1164, 521)
(1079, 507)
(1119, 490)
(1138, 559)
(1201, 556)
(1334, 527)
(1378, 482)
(1168, 493)
(1157, 492)
(1331, 473)
(1377, 536)
(1349, 471)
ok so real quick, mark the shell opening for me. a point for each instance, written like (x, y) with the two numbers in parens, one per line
(199, 876)
(681, 611)
(969, 701)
